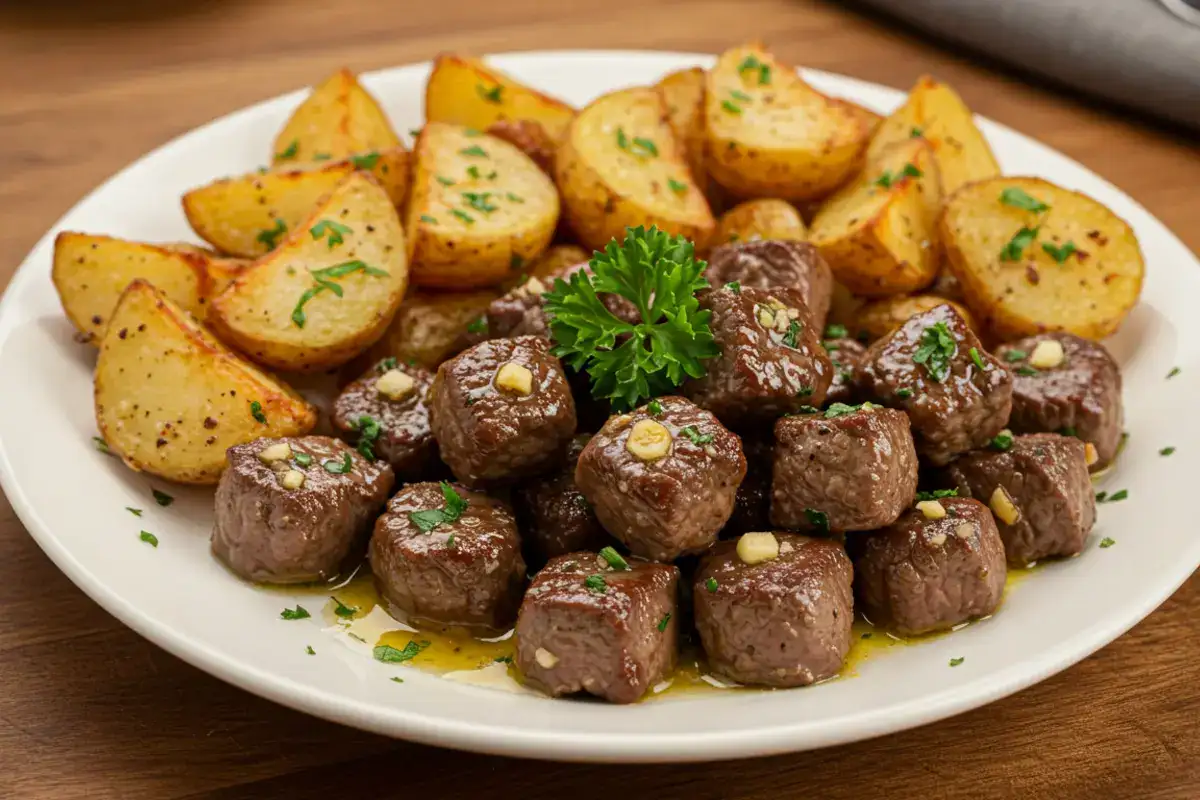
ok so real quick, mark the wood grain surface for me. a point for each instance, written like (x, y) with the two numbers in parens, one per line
(89, 709)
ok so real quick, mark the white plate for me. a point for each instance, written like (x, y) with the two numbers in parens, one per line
(72, 498)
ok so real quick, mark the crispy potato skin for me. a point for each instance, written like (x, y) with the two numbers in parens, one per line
(878, 318)
(683, 93)
(430, 327)
(338, 119)
(620, 166)
(238, 215)
(530, 138)
(463, 91)
(768, 218)
(256, 312)
(880, 240)
(1089, 293)
(778, 137)
(939, 114)
(479, 209)
(869, 119)
(170, 399)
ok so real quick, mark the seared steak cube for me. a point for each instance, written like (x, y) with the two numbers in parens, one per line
(940, 564)
(501, 410)
(446, 555)
(384, 412)
(554, 516)
(752, 506)
(777, 613)
(845, 469)
(521, 312)
(957, 395)
(292, 510)
(1065, 384)
(662, 478)
(586, 626)
(773, 264)
(845, 354)
(771, 360)
(1039, 491)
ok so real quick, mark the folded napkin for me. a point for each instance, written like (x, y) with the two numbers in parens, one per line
(1142, 53)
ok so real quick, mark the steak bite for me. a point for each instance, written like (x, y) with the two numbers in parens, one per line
(1065, 384)
(554, 516)
(773, 264)
(845, 469)
(845, 354)
(941, 564)
(752, 505)
(384, 413)
(662, 478)
(957, 395)
(771, 361)
(501, 410)
(293, 510)
(446, 555)
(775, 608)
(521, 310)
(1039, 491)
(588, 625)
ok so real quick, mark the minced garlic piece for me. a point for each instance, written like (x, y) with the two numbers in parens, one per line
(1002, 506)
(1048, 354)
(1089, 453)
(648, 440)
(932, 509)
(755, 548)
(515, 378)
(395, 385)
(292, 479)
(281, 451)
(544, 658)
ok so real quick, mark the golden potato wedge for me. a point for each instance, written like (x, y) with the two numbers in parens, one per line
(683, 93)
(90, 272)
(621, 166)
(170, 398)
(878, 318)
(222, 272)
(770, 134)
(768, 218)
(870, 120)
(465, 91)
(1032, 257)
(431, 327)
(338, 119)
(325, 294)
(878, 232)
(936, 112)
(249, 215)
(480, 208)
(530, 138)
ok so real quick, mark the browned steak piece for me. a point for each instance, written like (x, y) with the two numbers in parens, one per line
(520, 311)
(292, 510)
(771, 264)
(752, 506)
(957, 395)
(1041, 485)
(780, 622)
(436, 560)
(554, 516)
(385, 414)
(845, 354)
(587, 627)
(662, 478)
(844, 469)
(501, 410)
(940, 564)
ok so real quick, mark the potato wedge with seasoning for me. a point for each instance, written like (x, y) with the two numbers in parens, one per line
(466, 91)
(431, 327)
(621, 166)
(249, 215)
(870, 120)
(1032, 257)
(328, 292)
(770, 134)
(768, 218)
(480, 208)
(878, 233)
(935, 112)
(170, 398)
(877, 318)
(683, 94)
(338, 119)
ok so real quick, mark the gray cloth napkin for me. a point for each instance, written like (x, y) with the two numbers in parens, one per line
(1135, 52)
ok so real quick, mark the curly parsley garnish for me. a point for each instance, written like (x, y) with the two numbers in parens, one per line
(659, 275)
(935, 351)
(429, 519)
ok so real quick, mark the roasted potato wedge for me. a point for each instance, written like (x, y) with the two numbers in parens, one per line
(338, 119)
(170, 398)
(325, 294)
(91, 272)
(222, 272)
(465, 91)
(480, 208)
(870, 120)
(1060, 262)
(878, 318)
(936, 112)
(249, 215)
(683, 93)
(431, 327)
(621, 166)
(770, 134)
(767, 218)
(878, 232)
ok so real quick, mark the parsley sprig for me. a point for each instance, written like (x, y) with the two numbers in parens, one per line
(660, 276)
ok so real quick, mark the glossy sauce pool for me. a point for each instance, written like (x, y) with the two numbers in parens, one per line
(353, 616)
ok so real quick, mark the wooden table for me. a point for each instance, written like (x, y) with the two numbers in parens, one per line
(90, 709)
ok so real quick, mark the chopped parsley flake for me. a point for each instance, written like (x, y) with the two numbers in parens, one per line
(1059, 254)
(390, 655)
(474, 150)
(478, 325)
(596, 583)
(904, 393)
(614, 559)
(491, 95)
(637, 146)
(289, 152)
(428, 219)
(137, 512)
(162, 498)
(299, 612)
(149, 538)
(368, 434)
(271, 236)
(836, 410)
(444, 181)
(303, 459)
(365, 161)
(101, 445)
(1115, 497)
(793, 331)
(332, 231)
(1166, 451)
(836, 332)
(1015, 249)
(1017, 198)
(818, 519)
(429, 519)
(654, 407)
(338, 467)
(751, 64)
(1026, 370)
(1015, 355)
(325, 279)
(936, 349)
(1174, 371)
(514, 198)
(695, 436)
(1107, 542)
(675, 186)
(342, 610)
(978, 359)
(936, 494)
(256, 411)
(731, 107)
(479, 201)
(734, 286)
(1002, 441)
(954, 662)
(310, 651)
(889, 179)
(711, 585)
(662, 623)
(464, 216)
